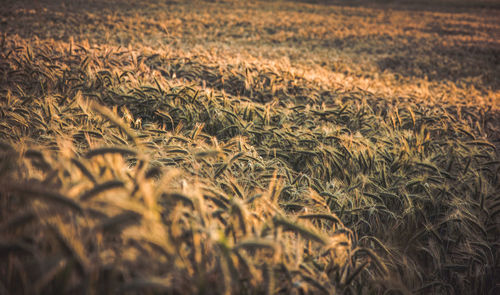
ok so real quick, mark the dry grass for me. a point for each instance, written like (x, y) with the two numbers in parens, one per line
(264, 147)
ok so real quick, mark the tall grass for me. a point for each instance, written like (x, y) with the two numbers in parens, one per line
(142, 170)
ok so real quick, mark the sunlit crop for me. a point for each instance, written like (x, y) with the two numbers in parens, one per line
(233, 147)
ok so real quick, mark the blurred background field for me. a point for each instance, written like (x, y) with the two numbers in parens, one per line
(249, 146)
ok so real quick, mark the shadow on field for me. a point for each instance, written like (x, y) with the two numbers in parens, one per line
(426, 57)
(93, 6)
(422, 5)
(458, 63)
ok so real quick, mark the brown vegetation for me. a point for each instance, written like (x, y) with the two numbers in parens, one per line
(249, 147)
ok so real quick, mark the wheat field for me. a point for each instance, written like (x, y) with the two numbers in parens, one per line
(249, 147)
